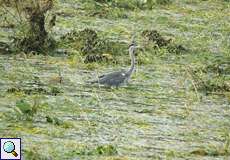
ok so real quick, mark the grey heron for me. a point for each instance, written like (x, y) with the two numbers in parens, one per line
(116, 79)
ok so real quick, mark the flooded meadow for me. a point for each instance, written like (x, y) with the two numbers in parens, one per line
(176, 105)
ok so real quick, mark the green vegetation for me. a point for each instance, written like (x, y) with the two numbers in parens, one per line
(29, 21)
(175, 107)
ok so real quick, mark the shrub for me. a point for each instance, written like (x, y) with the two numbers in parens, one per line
(95, 47)
(30, 33)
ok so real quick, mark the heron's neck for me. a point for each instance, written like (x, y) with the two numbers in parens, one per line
(132, 67)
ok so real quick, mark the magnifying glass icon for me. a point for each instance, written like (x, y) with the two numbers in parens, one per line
(9, 147)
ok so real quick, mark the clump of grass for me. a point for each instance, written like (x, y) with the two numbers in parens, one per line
(103, 1)
(34, 154)
(212, 77)
(118, 9)
(103, 150)
(125, 4)
(54, 120)
(55, 91)
(103, 9)
(163, 2)
(158, 41)
(85, 40)
(214, 151)
(226, 146)
(151, 3)
(36, 90)
(14, 90)
(93, 47)
(134, 4)
(26, 111)
(96, 58)
(155, 37)
(177, 49)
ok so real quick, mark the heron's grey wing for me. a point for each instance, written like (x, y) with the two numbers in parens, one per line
(101, 76)
(114, 78)
(98, 79)
(118, 80)
(112, 74)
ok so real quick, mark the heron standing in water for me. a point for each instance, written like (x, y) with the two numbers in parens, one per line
(116, 79)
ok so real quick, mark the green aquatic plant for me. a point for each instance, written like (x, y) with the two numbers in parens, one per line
(24, 107)
(28, 109)
(25, 110)
(105, 150)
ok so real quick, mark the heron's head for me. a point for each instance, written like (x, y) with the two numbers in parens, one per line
(132, 47)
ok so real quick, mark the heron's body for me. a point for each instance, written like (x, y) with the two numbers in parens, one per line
(116, 79)
(113, 79)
